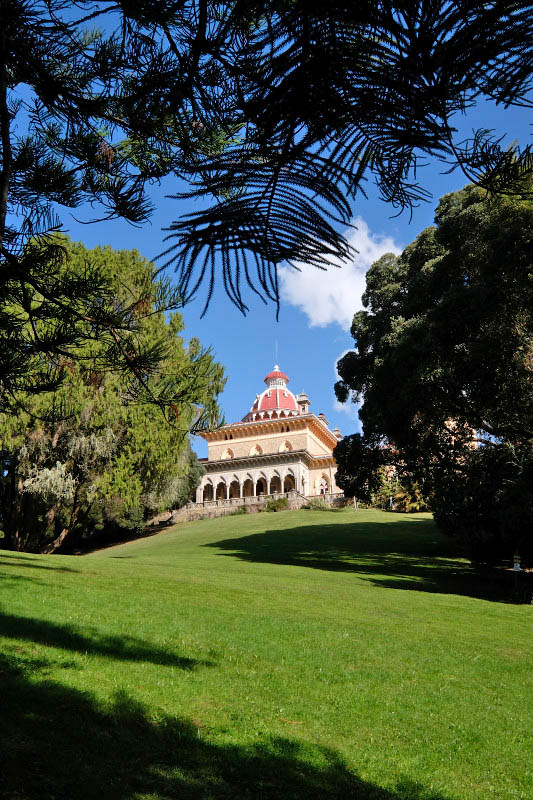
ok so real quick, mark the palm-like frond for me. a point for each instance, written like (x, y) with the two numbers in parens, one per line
(275, 113)
(271, 214)
(329, 95)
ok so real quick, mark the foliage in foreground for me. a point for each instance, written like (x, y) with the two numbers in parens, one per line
(89, 459)
(444, 365)
(272, 114)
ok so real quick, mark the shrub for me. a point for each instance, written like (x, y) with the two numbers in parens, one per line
(238, 512)
(316, 504)
(277, 504)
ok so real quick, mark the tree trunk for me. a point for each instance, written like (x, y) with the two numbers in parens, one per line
(54, 546)
(15, 515)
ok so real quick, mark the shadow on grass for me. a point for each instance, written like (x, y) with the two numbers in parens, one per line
(65, 637)
(57, 743)
(27, 562)
(402, 554)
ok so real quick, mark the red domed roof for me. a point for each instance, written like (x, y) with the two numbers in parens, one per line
(275, 398)
(276, 373)
(279, 399)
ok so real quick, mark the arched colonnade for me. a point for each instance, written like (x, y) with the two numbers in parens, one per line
(246, 484)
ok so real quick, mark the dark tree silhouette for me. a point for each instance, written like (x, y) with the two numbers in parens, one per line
(275, 113)
(443, 367)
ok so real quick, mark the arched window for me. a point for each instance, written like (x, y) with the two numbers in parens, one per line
(275, 485)
(288, 483)
(261, 486)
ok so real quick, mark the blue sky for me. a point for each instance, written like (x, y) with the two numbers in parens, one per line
(316, 310)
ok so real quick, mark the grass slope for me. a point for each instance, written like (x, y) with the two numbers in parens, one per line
(294, 655)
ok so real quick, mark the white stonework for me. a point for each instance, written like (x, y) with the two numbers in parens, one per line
(278, 447)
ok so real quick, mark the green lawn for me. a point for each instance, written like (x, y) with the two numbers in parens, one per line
(292, 655)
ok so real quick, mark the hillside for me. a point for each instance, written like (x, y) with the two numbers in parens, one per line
(292, 655)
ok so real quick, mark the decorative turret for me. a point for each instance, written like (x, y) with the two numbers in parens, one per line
(276, 378)
(323, 419)
(303, 403)
(276, 401)
(337, 433)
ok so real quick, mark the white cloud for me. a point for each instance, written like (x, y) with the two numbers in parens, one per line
(335, 295)
(350, 409)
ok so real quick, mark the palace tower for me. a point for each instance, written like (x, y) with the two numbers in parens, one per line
(279, 446)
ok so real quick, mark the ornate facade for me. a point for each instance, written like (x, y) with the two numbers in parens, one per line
(279, 446)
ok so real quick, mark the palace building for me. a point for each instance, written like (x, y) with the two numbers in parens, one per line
(278, 447)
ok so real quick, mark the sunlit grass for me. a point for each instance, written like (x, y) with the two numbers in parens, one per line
(299, 654)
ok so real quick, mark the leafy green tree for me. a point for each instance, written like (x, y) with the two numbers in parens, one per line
(488, 503)
(359, 463)
(443, 363)
(371, 472)
(89, 455)
(408, 498)
(271, 114)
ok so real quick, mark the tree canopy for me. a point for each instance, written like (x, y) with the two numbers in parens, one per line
(271, 114)
(443, 365)
(89, 457)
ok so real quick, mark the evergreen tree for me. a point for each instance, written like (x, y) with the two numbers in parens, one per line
(90, 455)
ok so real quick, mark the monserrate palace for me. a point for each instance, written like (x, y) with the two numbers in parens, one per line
(280, 446)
